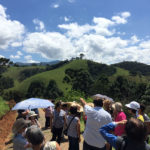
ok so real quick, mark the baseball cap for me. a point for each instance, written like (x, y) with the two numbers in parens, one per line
(133, 105)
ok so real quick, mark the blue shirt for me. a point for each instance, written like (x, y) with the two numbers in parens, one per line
(110, 138)
(19, 142)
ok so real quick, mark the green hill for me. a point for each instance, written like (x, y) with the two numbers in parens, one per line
(56, 74)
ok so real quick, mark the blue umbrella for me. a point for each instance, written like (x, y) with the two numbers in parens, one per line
(33, 103)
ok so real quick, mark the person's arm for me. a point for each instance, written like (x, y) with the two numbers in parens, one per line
(51, 121)
(105, 132)
(110, 138)
(83, 102)
(57, 146)
(78, 129)
(65, 122)
(38, 123)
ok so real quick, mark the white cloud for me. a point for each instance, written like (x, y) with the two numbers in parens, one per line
(10, 30)
(39, 25)
(50, 45)
(17, 56)
(29, 59)
(134, 39)
(1, 56)
(66, 19)
(122, 18)
(55, 6)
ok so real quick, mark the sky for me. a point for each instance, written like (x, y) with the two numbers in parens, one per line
(105, 31)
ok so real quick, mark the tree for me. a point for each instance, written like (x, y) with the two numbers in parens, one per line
(52, 91)
(146, 97)
(36, 89)
(81, 56)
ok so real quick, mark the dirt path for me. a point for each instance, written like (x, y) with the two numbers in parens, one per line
(47, 133)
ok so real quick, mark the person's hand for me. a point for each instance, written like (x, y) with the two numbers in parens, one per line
(79, 139)
(123, 122)
(83, 102)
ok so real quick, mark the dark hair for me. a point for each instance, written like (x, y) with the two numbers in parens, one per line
(98, 102)
(142, 107)
(58, 104)
(34, 135)
(64, 105)
(136, 130)
(133, 111)
(73, 110)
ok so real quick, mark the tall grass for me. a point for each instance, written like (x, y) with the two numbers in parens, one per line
(3, 107)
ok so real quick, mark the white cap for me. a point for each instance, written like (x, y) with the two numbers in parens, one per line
(133, 105)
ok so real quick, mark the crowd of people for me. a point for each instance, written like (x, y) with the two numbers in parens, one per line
(106, 126)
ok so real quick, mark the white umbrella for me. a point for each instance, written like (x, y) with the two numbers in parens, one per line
(33, 103)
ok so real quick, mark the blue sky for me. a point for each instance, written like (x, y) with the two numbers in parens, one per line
(107, 31)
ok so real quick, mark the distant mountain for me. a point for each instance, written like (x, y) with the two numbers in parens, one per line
(134, 67)
(34, 64)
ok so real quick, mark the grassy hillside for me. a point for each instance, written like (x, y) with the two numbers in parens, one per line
(56, 74)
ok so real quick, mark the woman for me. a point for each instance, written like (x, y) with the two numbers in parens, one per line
(73, 124)
(119, 115)
(57, 122)
(136, 134)
(19, 127)
(37, 139)
(32, 117)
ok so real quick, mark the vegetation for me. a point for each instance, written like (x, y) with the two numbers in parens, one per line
(135, 68)
(3, 107)
(69, 80)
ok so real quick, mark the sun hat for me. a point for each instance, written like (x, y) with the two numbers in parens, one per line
(32, 114)
(19, 124)
(133, 105)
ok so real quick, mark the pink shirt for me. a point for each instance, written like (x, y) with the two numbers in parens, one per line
(119, 130)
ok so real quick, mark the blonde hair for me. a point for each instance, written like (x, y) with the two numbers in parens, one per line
(117, 106)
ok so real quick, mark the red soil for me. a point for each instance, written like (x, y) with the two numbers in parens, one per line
(6, 124)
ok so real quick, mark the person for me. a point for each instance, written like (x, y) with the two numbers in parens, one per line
(136, 133)
(142, 112)
(73, 124)
(57, 122)
(133, 110)
(36, 138)
(32, 116)
(18, 129)
(96, 117)
(119, 115)
(22, 113)
(48, 112)
(107, 106)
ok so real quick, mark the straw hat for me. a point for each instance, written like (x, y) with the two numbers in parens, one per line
(32, 114)
(20, 124)
(79, 107)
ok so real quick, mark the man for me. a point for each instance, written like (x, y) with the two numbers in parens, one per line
(96, 118)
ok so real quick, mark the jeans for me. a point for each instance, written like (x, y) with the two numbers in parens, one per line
(73, 143)
(89, 147)
(57, 132)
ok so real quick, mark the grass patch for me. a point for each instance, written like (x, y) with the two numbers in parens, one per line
(3, 107)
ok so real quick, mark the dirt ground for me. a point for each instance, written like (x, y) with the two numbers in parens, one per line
(7, 143)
